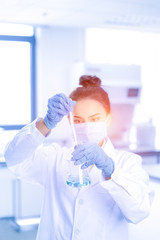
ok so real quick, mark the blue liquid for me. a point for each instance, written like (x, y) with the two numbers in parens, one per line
(73, 181)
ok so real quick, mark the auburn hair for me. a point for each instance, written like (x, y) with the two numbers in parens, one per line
(90, 87)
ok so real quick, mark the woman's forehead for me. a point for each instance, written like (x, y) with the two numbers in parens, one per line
(88, 107)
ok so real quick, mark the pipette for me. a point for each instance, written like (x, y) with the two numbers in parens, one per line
(76, 143)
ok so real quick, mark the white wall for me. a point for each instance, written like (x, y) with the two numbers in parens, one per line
(57, 48)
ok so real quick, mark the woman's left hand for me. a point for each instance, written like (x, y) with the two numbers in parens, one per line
(91, 153)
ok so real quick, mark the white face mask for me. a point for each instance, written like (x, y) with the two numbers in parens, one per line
(93, 132)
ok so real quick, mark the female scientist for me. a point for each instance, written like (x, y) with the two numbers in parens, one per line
(118, 193)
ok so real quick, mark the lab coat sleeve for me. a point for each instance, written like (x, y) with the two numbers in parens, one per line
(129, 187)
(26, 156)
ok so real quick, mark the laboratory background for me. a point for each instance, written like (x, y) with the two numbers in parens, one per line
(45, 46)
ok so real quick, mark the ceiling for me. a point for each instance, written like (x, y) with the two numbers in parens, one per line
(138, 14)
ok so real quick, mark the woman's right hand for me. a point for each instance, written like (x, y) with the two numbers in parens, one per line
(58, 106)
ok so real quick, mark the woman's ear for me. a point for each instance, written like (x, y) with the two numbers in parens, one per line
(109, 119)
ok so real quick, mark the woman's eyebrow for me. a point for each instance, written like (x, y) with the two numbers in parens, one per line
(77, 117)
(95, 115)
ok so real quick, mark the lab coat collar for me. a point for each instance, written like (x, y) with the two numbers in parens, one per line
(109, 148)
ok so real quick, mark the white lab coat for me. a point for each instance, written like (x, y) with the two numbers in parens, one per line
(100, 211)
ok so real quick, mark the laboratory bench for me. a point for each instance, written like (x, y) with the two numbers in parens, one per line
(150, 155)
(146, 152)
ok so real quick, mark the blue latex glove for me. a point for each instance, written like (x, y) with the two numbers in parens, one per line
(91, 153)
(58, 106)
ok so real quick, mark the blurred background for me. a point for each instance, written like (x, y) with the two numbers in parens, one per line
(44, 48)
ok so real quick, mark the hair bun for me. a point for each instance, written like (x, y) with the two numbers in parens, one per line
(89, 81)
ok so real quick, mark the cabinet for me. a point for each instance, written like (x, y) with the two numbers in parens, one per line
(6, 193)
(18, 199)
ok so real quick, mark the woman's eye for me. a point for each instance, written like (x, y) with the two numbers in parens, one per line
(95, 119)
(76, 121)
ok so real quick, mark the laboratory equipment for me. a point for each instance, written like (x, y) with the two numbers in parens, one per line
(146, 134)
(76, 176)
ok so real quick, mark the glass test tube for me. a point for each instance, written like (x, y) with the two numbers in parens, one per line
(76, 143)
